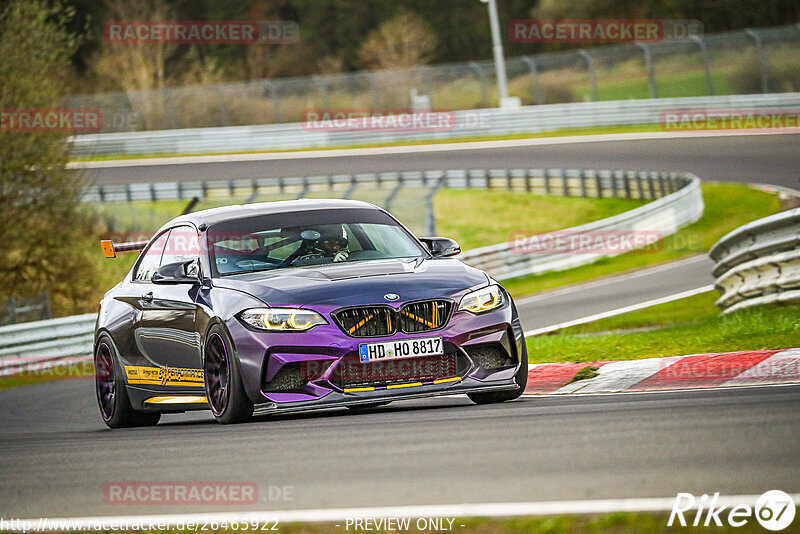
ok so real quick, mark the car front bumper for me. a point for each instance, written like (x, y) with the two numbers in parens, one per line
(318, 357)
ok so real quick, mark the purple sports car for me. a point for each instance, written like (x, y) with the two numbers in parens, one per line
(290, 306)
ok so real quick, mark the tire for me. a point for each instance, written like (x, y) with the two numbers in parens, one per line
(521, 378)
(112, 395)
(223, 382)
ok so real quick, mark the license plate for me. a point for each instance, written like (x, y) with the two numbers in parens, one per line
(402, 348)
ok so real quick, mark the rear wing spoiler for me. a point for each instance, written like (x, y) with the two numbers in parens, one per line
(110, 248)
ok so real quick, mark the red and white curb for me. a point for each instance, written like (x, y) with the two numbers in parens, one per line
(696, 371)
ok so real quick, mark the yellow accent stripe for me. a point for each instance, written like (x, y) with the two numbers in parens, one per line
(443, 380)
(398, 386)
(412, 385)
(158, 376)
(360, 324)
(176, 399)
(418, 319)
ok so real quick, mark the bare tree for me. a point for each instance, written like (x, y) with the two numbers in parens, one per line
(135, 68)
(403, 41)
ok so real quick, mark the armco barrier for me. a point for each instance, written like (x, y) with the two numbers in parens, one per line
(665, 215)
(468, 123)
(27, 345)
(759, 263)
(677, 201)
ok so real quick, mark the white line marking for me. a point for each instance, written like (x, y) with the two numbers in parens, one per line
(593, 506)
(408, 149)
(620, 311)
(613, 279)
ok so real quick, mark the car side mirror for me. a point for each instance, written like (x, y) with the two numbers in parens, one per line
(182, 272)
(441, 247)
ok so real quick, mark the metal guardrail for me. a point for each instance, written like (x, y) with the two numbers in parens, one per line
(759, 263)
(682, 205)
(467, 123)
(29, 345)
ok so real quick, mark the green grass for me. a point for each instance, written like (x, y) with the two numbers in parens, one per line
(693, 309)
(477, 218)
(768, 327)
(59, 372)
(728, 206)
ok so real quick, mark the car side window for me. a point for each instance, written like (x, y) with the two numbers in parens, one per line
(150, 260)
(183, 245)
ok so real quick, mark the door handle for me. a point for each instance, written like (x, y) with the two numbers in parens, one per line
(148, 297)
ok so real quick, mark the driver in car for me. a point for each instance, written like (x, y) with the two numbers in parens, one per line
(330, 244)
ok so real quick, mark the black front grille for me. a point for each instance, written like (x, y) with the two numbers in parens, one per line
(423, 316)
(377, 321)
(373, 321)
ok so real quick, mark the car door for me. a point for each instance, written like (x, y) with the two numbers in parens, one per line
(165, 329)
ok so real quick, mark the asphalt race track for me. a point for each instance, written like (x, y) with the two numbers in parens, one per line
(57, 456)
(567, 304)
(750, 158)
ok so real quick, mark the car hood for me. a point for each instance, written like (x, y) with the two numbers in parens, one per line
(359, 283)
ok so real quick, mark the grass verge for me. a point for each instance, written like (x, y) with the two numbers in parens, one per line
(687, 326)
(57, 372)
(728, 206)
(477, 218)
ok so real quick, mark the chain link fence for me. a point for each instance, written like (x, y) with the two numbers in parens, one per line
(763, 60)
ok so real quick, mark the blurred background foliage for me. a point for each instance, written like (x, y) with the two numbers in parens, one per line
(348, 35)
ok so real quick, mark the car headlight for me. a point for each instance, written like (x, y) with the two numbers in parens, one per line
(482, 300)
(282, 319)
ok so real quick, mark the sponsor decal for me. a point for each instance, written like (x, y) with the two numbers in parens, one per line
(164, 376)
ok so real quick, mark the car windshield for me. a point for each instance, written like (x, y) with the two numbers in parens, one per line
(308, 239)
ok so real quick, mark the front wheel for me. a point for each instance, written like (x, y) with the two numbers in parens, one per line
(112, 397)
(521, 378)
(224, 388)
